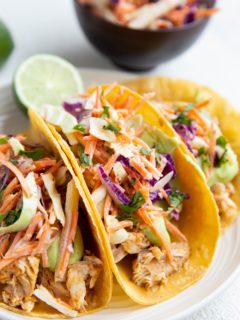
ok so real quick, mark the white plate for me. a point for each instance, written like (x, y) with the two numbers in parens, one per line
(223, 270)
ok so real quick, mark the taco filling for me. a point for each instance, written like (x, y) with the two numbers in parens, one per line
(203, 137)
(129, 169)
(43, 259)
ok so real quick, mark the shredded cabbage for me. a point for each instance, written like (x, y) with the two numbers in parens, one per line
(29, 208)
(58, 117)
(49, 184)
(16, 145)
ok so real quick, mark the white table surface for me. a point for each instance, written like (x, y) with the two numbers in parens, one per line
(50, 26)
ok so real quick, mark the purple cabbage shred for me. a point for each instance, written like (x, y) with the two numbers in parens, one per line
(76, 108)
(186, 132)
(113, 188)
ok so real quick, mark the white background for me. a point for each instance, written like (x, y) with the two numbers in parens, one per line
(50, 26)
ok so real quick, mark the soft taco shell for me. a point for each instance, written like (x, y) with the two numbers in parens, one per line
(228, 117)
(103, 289)
(199, 219)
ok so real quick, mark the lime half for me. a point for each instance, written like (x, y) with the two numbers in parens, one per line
(6, 43)
(46, 79)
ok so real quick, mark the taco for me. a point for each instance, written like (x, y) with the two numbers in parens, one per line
(208, 125)
(160, 227)
(52, 264)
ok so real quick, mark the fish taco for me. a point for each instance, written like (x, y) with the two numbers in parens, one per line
(208, 125)
(147, 196)
(52, 264)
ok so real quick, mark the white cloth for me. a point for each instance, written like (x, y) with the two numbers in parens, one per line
(50, 26)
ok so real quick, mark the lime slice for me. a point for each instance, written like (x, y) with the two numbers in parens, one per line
(45, 79)
(6, 43)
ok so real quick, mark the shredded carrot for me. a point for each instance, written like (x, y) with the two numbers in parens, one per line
(11, 187)
(4, 147)
(107, 207)
(4, 243)
(139, 167)
(32, 226)
(193, 113)
(19, 176)
(139, 131)
(202, 104)
(108, 166)
(149, 222)
(44, 163)
(206, 12)
(9, 202)
(154, 171)
(110, 88)
(45, 258)
(175, 231)
(90, 148)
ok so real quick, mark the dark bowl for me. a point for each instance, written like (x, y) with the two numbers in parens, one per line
(138, 49)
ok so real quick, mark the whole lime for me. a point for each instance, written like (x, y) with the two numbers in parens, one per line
(6, 43)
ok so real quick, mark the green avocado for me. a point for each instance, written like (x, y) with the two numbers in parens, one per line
(227, 171)
(161, 141)
(160, 225)
(75, 256)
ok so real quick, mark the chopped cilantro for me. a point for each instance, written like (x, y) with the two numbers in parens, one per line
(183, 117)
(1, 195)
(3, 140)
(112, 127)
(35, 154)
(14, 161)
(222, 160)
(84, 158)
(201, 151)
(222, 142)
(176, 198)
(12, 216)
(144, 151)
(135, 204)
(132, 181)
(80, 127)
(105, 113)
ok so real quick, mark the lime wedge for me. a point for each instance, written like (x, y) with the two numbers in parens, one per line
(45, 79)
(6, 43)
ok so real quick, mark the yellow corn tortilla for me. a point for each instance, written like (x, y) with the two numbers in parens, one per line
(102, 291)
(228, 117)
(199, 218)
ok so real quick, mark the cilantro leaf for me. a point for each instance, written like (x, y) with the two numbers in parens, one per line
(80, 127)
(105, 113)
(176, 198)
(136, 203)
(222, 142)
(132, 181)
(12, 216)
(183, 117)
(84, 158)
(222, 160)
(144, 151)
(112, 127)
(201, 151)
(35, 154)
(3, 140)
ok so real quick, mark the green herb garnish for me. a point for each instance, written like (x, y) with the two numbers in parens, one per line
(183, 117)
(84, 158)
(35, 154)
(80, 127)
(12, 216)
(112, 127)
(222, 142)
(13, 161)
(105, 113)
(135, 204)
(1, 195)
(144, 151)
(222, 160)
(176, 198)
(3, 140)
(132, 181)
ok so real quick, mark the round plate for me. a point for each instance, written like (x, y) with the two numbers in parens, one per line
(222, 271)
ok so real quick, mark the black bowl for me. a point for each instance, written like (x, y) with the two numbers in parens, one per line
(138, 49)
